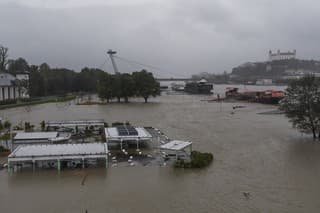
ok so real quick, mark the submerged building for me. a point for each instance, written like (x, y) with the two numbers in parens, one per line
(57, 155)
(126, 135)
(199, 87)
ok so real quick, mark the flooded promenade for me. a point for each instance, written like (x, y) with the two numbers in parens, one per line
(256, 153)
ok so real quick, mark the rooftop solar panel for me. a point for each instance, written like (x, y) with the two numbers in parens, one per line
(126, 130)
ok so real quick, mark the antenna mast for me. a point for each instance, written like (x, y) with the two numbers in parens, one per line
(115, 68)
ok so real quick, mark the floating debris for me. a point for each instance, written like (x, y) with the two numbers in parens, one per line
(246, 194)
(238, 107)
(84, 179)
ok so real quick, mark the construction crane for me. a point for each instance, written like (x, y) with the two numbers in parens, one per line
(111, 54)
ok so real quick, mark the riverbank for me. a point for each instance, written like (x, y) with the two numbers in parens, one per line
(39, 101)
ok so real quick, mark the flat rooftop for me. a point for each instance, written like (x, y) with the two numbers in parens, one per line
(176, 145)
(35, 135)
(95, 122)
(59, 151)
(112, 133)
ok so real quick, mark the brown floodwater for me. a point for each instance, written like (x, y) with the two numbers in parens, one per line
(255, 153)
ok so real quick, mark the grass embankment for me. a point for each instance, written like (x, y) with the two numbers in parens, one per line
(198, 160)
(4, 151)
(38, 101)
(88, 103)
(5, 137)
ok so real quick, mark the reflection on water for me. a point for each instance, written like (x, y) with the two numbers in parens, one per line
(255, 153)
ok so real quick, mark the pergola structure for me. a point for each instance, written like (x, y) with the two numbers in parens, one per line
(57, 153)
(75, 123)
(121, 134)
(177, 146)
(32, 138)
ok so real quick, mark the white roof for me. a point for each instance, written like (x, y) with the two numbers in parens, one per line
(6, 79)
(112, 134)
(35, 135)
(203, 81)
(51, 150)
(176, 145)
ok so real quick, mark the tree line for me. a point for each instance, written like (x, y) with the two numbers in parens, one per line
(47, 81)
(137, 84)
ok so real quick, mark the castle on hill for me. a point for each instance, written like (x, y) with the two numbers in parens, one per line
(277, 56)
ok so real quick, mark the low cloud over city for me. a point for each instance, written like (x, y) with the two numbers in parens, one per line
(177, 37)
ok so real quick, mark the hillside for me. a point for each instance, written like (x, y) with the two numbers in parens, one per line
(277, 70)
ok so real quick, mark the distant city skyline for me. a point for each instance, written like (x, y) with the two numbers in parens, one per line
(177, 38)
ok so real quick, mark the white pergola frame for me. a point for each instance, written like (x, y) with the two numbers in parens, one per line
(176, 146)
(112, 135)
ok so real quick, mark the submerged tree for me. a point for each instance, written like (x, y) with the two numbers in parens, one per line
(301, 104)
(104, 87)
(43, 126)
(116, 86)
(124, 85)
(127, 86)
(7, 125)
(146, 85)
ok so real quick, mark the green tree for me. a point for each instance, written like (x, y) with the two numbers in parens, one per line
(3, 58)
(28, 127)
(127, 86)
(301, 104)
(17, 66)
(146, 85)
(87, 79)
(117, 86)
(36, 82)
(44, 67)
(7, 125)
(104, 86)
(43, 125)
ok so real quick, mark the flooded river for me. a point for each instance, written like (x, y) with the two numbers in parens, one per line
(255, 153)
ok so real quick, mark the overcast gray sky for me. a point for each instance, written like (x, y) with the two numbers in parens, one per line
(181, 37)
